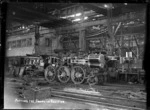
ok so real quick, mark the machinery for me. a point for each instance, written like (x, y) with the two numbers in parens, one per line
(33, 66)
(131, 71)
(90, 68)
(77, 68)
(52, 64)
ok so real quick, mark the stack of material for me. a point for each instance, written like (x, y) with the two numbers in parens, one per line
(32, 94)
(83, 91)
(140, 95)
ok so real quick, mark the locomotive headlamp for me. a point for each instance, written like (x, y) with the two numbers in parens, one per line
(41, 63)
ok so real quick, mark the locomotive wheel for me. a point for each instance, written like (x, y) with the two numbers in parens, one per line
(63, 74)
(92, 80)
(50, 74)
(77, 75)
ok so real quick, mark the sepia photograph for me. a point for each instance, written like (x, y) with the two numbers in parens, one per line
(75, 56)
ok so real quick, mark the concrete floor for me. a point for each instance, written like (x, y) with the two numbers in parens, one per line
(12, 102)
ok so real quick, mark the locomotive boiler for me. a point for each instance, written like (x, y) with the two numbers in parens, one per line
(78, 69)
(89, 68)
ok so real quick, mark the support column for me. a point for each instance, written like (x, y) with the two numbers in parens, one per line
(55, 42)
(37, 41)
(82, 40)
(111, 38)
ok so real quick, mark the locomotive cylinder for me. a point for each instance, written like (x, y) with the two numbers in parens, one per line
(97, 60)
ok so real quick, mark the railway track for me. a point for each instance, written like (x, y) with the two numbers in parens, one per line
(105, 100)
(109, 105)
(106, 88)
(104, 85)
(113, 102)
(124, 85)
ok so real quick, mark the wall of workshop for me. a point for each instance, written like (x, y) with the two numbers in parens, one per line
(55, 44)
(20, 51)
(42, 48)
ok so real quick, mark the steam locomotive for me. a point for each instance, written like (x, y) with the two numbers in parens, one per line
(88, 68)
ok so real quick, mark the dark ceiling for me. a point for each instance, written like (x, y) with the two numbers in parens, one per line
(48, 14)
(31, 13)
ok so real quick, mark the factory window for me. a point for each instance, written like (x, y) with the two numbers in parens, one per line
(29, 41)
(18, 43)
(8, 45)
(13, 44)
(23, 42)
(48, 42)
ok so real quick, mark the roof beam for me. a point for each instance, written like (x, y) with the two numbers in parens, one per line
(95, 8)
(103, 21)
(20, 14)
(83, 25)
(25, 21)
(36, 13)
